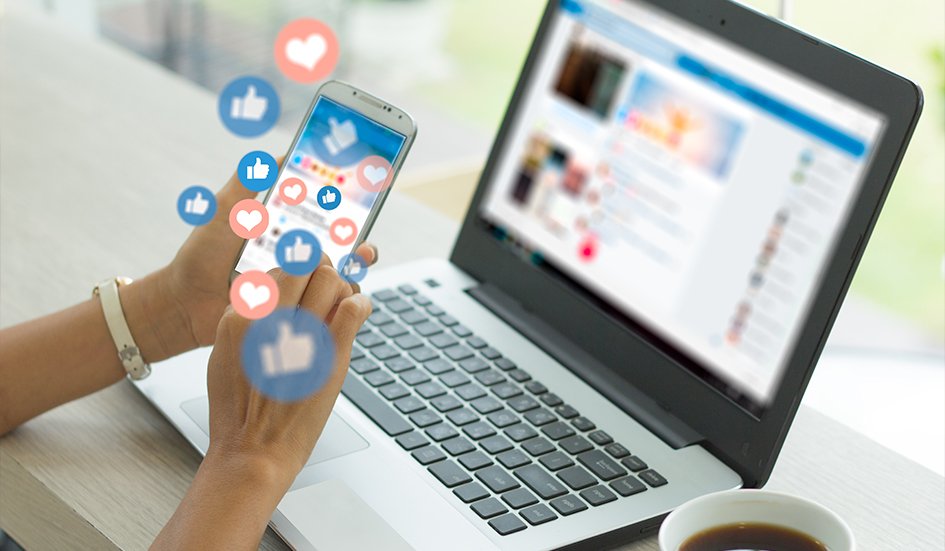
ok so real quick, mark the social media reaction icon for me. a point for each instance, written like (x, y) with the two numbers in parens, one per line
(374, 173)
(587, 249)
(329, 197)
(298, 252)
(292, 191)
(341, 136)
(254, 294)
(248, 106)
(306, 50)
(257, 171)
(289, 355)
(343, 231)
(352, 268)
(249, 219)
(196, 205)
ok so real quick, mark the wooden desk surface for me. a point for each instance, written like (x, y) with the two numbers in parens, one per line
(95, 145)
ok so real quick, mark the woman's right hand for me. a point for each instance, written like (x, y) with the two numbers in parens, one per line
(258, 445)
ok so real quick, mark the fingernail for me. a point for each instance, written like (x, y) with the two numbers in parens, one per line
(376, 253)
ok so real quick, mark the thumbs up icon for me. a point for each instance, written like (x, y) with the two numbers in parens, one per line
(198, 205)
(249, 107)
(258, 171)
(298, 251)
(291, 353)
(341, 137)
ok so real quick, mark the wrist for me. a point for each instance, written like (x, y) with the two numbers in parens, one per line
(266, 479)
(157, 324)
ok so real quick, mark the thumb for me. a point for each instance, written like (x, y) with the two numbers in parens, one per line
(298, 242)
(251, 92)
(285, 331)
(199, 196)
(333, 122)
(258, 162)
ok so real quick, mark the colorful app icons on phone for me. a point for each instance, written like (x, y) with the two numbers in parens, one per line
(292, 191)
(196, 205)
(257, 171)
(248, 106)
(249, 219)
(298, 252)
(374, 174)
(343, 231)
(352, 268)
(254, 294)
(288, 355)
(328, 197)
(306, 50)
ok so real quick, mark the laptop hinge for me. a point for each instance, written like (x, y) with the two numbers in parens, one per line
(627, 397)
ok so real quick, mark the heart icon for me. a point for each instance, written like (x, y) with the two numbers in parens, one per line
(306, 53)
(249, 219)
(254, 295)
(343, 232)
(375, 174)
(292, 192)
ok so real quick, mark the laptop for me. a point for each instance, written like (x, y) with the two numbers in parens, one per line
(662, 236)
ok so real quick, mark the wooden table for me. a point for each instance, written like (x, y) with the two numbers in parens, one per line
(95, 145)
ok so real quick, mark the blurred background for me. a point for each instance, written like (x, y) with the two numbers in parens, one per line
(453, 64)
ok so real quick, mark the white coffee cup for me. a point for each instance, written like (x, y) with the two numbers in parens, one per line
(755, 506)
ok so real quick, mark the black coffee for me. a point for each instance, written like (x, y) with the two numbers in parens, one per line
(751, 536)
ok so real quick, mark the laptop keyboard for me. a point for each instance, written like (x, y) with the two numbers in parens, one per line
(506, 445)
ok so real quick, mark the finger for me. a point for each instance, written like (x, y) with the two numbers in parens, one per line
(368, 252)
(349, 316)
(324, 291)
(290, 287)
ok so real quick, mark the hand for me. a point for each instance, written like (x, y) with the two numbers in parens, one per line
(250, 107)
(247, 424)
(197, 205)
(259, 171)
(178, 308)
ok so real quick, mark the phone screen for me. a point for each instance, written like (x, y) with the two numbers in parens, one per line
(343, 159)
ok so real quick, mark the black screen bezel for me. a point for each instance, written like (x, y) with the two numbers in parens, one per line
(747, 443)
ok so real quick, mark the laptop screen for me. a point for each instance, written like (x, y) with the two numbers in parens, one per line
(693, 187)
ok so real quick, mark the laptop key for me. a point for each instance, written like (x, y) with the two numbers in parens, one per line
(617, 450)
(409, 404)
(556, 461)
(486, 404)
(539, 417)
(598, 495)
(507, 524)
(489, 508)
(427, 328)
(566, 411)
(627, 486)
(374, 407)
(520, 432)
(502, 418)
(422, 300)
(538, 514)
(568, 505)
(557, 430)
(489, 377)
(457, 446)
(495, 444)
(583, 424)
(471, 492)
(425, 418)
(384, 295)
(408, 342)
(470, 392)
(398, 305)
(473, 365)
(519, 498)
(474, 460)
(462, 416)
(364, 365)
(399, 364)
(537, 446)
(506, 390)
(496, 479)
(393, 330)
(394, 391)
(414, 377)
(461, 331)
(407, 289)
(476, 342)
(542, 483)
(435, 310)
(379, 318)
(604, 467)
(438, 366)
(523, 403)
(441, 432)
(446, 403)
(633, 463)
(551, 399)
(449, 473)
(506, 364)
(490, 353)
(518, 375)
(379, 378)
(356, 352)
(412, 440)
(428, 454)
(443, 340)
(367, 340)
(422, 354)
(600, 438)
(577, 478)
(413, 317)
(448, 320)
(478, 430)
(454, 379)
(536, 387)
(575, 445)
(430, 390)
(385, 352)
(652, 478)
(513, 459)
(458, 352)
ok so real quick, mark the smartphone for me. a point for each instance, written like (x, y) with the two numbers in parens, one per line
(346, 154)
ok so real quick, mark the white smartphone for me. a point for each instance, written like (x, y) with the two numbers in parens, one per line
(351, 141)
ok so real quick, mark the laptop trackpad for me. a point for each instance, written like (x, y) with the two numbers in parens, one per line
(336, 518)
(336, 440)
